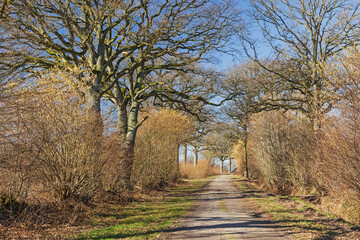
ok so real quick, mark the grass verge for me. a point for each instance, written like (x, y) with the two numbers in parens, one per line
(144, 219)
(304, 220)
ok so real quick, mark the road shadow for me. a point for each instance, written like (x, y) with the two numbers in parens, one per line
(212, 227)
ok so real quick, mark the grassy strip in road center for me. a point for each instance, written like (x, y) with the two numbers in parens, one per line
(145, 220)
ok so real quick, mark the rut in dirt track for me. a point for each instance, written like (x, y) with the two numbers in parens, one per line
(220, 213)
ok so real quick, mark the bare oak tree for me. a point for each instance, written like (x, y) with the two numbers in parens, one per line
(247, 84)
(221, 141)
(172, 37)
(304, 35)
(118, 44)
(86, 34)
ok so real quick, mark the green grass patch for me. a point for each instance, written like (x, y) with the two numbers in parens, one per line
(144, 220)
(288, 210)
(222, 205)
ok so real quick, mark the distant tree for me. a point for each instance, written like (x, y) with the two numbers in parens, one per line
(220, 142)
(198, 137)
(304, 35)
(248, 85)
(183, 91)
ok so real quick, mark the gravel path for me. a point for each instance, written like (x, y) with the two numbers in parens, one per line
(220, 213)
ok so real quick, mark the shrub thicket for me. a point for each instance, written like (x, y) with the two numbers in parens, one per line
(156, 150)
(281, 148)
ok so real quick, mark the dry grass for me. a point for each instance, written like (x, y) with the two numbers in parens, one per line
(203, 169)
(305, 220)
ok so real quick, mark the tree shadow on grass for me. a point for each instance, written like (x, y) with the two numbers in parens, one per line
(243, 224)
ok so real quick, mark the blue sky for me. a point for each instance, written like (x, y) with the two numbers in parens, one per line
(226, 61)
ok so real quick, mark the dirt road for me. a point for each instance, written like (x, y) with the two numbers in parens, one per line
(220, 213)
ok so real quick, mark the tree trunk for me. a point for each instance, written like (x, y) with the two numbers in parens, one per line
(316, 113)
(185, 154)
(126, 165)
(229, 165)
(246, 165)
(221, 166)
(196, 156)
(94, 122)
(93, 111)
(122, 124)
(177, 159)
(128, 145)
(245, 141)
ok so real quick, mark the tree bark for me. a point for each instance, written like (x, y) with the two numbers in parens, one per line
(126, 165)
(127, 139)
(177, 159)
(196, 156)
(93, 110)
(316, 113)
(229, 165)
(245, 126)
(185, 154)
(94, 122)
(246, 164)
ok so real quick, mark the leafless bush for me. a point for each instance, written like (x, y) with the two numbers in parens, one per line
(340, 168)
(16, 169)
(65, 151)
(282, 148)
(110, 159)
(156, 149)
(50, 140)
(202, 170)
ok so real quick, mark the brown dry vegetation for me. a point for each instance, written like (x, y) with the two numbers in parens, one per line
(157, 163)
(203, 169)
(298, 115)
(55, 165)
(287, 158)
(307, 143)
(304, 218)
